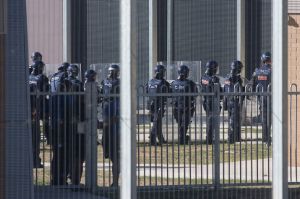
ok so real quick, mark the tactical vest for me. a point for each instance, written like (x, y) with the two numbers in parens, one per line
(110, 86)
(156, 86)
(207, 83)
(34, 84)
(76, 84)
(230, 84)
(38, 83)
(183, 86)
(263, 77)
(58, 83)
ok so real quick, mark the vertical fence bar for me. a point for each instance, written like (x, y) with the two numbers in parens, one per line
(67, 30)
(2, 96)
(169, 37)
(216, 135)
(152, 36)
(91, 135)
(279, 98)
(241, 32)
(128, 58)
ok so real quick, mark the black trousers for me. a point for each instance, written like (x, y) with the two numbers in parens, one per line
(60, 162)
(36, 139)
(209, 126)
(111, 146)
(183, 118)
(156, 130)
(265, 107)
(76, 154)
(234, 128)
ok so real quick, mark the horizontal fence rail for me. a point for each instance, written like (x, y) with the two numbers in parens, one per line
(228, 144)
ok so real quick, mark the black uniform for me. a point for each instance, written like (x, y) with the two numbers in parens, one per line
(233, 104)
(59, 135)
(207, 83)
(261, 81)
(156, 105)
(183, 106)
(208, 80)
(75, 141)
(39, 111)
(111, 122)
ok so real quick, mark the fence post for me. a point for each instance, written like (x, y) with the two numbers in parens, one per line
(279, 98)
(216, 135)
(91, 135)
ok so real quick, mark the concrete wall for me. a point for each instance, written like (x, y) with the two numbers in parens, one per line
(45, 29)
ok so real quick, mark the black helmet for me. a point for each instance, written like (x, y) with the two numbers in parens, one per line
(211, 67)
(265, 57)
(113, 71)
(73, 70)
(90, 75)
(160, 71)
(183, 71)
(38, 67)
(236, 67)
(36, 56)
(64, 66)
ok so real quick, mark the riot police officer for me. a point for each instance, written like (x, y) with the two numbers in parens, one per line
(36, 56)
(110, 88)
(90, 76)
(38, 82)
(76, 141)
(156, 104)
(59, 135)
(261, 79)
(234, 84)
(208, 80)
(183, 105)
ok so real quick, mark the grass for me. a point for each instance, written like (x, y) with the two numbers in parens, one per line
(172, 155)
(193, 153)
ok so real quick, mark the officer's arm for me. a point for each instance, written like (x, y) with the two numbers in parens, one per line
(46, 82)
(146, 88)
(253, 81)
(101, 92)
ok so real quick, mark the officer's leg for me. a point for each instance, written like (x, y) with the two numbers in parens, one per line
(231, 125)
(267, 123)
(63, 159)
(265, 134)
(34, 150)
(159, 130)
(177, 117)
(57, 163)
(72, 155)
(187, 120)
(237, 124)
(78, 159)
(46, 129)
(116, 155)
(209, 123)
(36, 138)
(154, 129)
(76, 170)
(54, 166)
(115, 170)
(182, 125)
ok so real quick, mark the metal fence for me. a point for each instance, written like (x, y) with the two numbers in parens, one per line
(246, 160)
